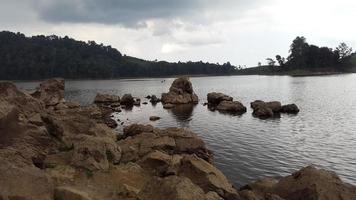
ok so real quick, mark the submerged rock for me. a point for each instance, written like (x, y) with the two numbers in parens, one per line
(180, 92)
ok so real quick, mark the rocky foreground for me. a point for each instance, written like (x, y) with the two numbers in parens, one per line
(54, 149)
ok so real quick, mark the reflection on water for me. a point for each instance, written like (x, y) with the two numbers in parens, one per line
(247, 148)
(183, 113)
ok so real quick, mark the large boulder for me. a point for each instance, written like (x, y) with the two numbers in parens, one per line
(180, 92)
(215, 98)
(95, 153)
(231, 107)
(263, 112)
(309, 183)
(106, 98)
(51, 91)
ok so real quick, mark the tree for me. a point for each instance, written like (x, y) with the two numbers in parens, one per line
(281, 61)
(344, 50)
(270, 62)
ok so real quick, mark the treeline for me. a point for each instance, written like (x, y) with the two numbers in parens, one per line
(41, 57)
(309, 58)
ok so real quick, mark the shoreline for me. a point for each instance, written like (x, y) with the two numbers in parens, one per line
(63, 151)
(291, 74)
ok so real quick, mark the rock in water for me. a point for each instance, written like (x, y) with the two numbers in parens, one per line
(106, 98)
(180, 92)
(154, 99)
(154, 118)
(215, 98)
(290, 109)
(51, 92)
(127, 100)
(231, 107)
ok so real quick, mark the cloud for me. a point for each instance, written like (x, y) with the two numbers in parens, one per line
(134, 12)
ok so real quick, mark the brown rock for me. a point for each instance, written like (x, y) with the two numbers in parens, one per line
(154, 99)
(94, 153)
(180, 92)
(232, 107)
(154, 118)
(275, 106)
(135, 129)
(168, 106)
(172, 188)
(106, 98)
(215, 98)
(67, 193)
(127, 100)
(207, 177)
(290, 109)
(263, 112)
(51, 92)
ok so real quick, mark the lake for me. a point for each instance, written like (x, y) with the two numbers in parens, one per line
(246, 148)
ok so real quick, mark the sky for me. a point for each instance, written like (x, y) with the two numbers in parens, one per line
(243, 32)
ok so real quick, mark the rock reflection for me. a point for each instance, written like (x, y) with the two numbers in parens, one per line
(183, 113)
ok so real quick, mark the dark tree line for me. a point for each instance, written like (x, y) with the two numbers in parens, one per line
(41, 57)
(313, 58)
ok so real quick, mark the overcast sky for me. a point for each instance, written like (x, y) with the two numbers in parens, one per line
(243, 32)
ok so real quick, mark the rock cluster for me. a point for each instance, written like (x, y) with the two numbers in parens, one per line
(51, 149)
(264, 110)
(180, 92)
(225, 103)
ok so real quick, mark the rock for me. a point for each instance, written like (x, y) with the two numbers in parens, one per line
(137, 102)
(72, 105)
(232, 107)
(263, 112)
(144, 103)
(154, 118)
(135, 129)
(94, 153)
(127, 100)
(275, 106)
(207, 177)
(157, 161)
(215, 98)
(154, 99)
(67, 193)
(180, 92)
(36, 120)
(290, 109)
(51, 92)
(106, 98)
(148, 97)
(308, 183)
(172, 188)
(111, 123)
(168, 106)
(212, 196)
(256, 104)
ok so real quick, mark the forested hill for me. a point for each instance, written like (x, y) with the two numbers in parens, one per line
(40, 57)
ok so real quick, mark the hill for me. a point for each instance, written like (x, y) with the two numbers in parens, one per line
(41, 57)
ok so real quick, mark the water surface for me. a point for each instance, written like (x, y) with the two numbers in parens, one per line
(246, 148)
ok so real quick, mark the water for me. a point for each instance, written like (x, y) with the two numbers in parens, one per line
(246, 148)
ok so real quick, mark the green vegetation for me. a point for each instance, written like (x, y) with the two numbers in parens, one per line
(309, 59)
(41, 57)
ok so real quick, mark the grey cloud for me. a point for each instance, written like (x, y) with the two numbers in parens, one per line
(132, 12)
